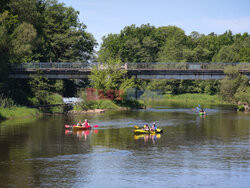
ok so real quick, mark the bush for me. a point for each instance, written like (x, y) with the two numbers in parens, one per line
(241, 108)
(6, 102)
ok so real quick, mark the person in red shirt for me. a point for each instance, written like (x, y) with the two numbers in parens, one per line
(86, 123)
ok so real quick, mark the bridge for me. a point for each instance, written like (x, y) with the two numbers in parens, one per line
(182, 71)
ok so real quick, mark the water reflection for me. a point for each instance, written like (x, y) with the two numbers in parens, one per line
(147, 137)
(80, 133)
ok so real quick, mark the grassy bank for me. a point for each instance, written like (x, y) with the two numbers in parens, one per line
(195, 98)
(96, 104)
(17, 112)
(190, 100)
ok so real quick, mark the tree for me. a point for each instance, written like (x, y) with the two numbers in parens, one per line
(40, 88)
(234, 86)
(22, 42)
(65, 38)
(109, 77)
(172, 51)
(227, 54)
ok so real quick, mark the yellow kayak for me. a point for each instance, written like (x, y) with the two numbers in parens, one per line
(142, 131)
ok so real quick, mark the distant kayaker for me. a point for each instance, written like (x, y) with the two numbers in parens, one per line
(79, 123)
(86, 123)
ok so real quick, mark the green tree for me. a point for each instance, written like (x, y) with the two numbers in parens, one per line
(40, 88)
(65, 38)
(234, 85)
(227, 54)
(22, 42)
(110, 77)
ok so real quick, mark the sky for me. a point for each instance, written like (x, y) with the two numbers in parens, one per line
(103, 17)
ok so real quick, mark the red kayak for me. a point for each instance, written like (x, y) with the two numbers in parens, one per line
(81, 127)
(76, 127)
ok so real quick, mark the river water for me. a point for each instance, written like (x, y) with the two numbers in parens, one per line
(193, 151)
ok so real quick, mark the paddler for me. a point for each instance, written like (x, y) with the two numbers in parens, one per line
(146, 127)
(86, 123)
(79, 123)
(154, 127)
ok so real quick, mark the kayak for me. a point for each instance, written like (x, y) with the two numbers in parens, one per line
(76, 127)
(141, 131)
(82, 127)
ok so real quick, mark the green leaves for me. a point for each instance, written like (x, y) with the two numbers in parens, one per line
(22, 42)
(234, 87)
(170, 44)
(110, 77)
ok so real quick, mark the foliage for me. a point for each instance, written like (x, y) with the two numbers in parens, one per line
(147, 43)
(234, 87)
(243, 94)
(17, 112)
(6, 102)
(87, 104)
(195, 99)
(184, 86)
(40, 88)
(40, 31)
(110, 77)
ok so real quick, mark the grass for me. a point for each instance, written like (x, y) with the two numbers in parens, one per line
(191, 100)
(195, 97)
(17, 112)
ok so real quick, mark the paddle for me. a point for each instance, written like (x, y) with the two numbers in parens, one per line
(69, 126)
(136, 127)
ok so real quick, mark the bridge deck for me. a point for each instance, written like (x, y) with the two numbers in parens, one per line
(140, 71)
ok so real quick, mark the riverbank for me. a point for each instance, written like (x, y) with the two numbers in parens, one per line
(195, 98)
(18, 113)
(100, 106)
(190, 100)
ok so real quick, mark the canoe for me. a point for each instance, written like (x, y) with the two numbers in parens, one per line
(141, 131)
(81, 128)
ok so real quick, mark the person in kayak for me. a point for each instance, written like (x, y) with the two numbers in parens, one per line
(86, 123)
(202, 111)
(154, 127)
(79, 123)
(146, 127)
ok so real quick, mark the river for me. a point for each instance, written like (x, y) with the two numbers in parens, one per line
(193, 151)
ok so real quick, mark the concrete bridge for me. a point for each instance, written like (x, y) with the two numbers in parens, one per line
(183, 71)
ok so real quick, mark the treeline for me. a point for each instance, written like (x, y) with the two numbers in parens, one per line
(42, 31)
(39, 31)
(170, 44)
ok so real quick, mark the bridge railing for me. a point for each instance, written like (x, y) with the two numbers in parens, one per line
(136, 66)
(61, 65)
(184, 66)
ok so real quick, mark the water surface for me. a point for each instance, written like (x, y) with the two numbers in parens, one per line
(193, 151)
